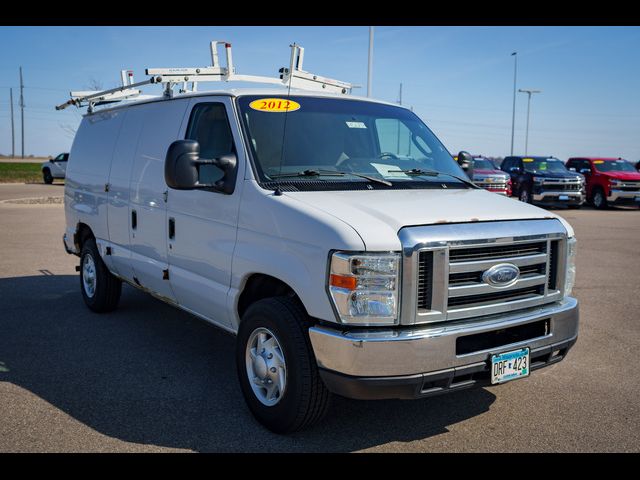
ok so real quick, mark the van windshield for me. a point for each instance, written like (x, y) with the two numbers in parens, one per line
(342, 140)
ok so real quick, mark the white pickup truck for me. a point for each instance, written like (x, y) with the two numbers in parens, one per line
(54, 168)
(334, 235)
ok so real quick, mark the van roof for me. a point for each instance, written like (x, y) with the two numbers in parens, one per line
(237, 92)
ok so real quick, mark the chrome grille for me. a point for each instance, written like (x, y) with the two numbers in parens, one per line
(471, 263)
(444, 265)
(503, 251)
(501, 184)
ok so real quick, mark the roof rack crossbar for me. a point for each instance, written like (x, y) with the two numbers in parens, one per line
(169, 77)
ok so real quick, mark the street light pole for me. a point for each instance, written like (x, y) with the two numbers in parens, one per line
(370, 62)
(529, 93)
(513, 115)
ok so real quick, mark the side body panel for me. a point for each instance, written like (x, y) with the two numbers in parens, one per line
(161, 126)
(285, 238)
(118, 210)
(88, 172)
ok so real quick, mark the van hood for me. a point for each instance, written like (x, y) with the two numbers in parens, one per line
(378, 215)
(629, 176)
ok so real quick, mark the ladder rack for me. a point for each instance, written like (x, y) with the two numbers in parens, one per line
(293, 76)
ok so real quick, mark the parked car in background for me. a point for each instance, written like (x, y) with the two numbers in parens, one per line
(490, 177)
(55, 168)
(545, 181)
(610, 181)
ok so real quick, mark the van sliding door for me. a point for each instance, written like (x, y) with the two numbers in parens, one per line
(148, 208)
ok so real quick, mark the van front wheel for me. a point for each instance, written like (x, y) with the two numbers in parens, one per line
(276, 367)
(100, 288)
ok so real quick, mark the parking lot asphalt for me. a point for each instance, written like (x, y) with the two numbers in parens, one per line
(149, 377)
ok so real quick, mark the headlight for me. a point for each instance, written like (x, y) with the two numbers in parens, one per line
(615, 183)
(538, 180)
(570, 277)
(364, 287)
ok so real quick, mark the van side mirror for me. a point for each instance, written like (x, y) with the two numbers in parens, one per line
(572, 169)
(181, 167)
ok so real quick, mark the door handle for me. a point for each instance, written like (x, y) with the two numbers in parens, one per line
(134, 219)
(172, 228)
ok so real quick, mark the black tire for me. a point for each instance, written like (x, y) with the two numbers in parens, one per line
(47, 177)
(106, 287)
(306, 399)
(524, 195)
(598, 199)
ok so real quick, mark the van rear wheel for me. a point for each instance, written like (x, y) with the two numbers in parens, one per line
(276, 366)
(100, 288)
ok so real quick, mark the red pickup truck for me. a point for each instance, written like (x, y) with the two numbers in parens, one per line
(610, 181)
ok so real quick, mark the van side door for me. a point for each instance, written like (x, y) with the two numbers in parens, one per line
(118, 208)
(202, 223)
(161, 125)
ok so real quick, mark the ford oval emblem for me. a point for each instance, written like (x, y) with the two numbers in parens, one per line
(501, 275)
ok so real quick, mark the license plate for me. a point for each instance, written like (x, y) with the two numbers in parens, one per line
(563, 197)
(509, 366)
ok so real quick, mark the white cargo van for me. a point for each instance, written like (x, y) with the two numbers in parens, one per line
(334, 235)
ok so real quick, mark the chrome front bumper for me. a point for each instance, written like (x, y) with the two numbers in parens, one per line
(618, 195)
(573, 195)
(421, 350)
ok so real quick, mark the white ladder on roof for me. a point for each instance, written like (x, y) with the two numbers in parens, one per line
(293, 76)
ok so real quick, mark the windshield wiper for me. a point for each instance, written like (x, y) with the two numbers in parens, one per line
(433, 173)
(417, 171)
(331, 173)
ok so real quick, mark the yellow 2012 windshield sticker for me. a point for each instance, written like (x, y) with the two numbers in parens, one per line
(274, 105)
(598, 162)
(527, 160)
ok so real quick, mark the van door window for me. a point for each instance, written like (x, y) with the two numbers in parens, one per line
(209, 125)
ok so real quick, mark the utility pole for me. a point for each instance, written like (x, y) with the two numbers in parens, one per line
(529, 93)
(370, 63)
(13, 137)
(513, 115)
(22, 110)
(399, 103)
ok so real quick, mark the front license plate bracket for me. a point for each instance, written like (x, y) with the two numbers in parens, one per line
(510, 365)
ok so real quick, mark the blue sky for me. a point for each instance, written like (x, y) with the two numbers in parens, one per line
(459, 80)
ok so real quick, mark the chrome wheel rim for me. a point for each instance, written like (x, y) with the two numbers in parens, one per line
(89, 275)
(266, 367)
(597, 199)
